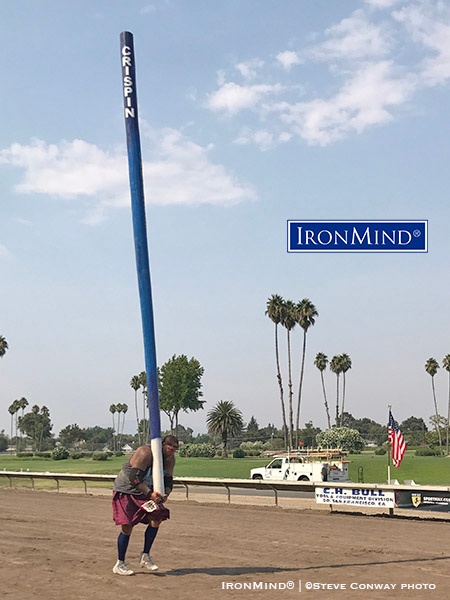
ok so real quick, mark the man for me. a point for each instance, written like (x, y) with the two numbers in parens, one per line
(133, 488)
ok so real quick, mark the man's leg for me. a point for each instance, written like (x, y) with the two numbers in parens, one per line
(122, 544)
(149, 538)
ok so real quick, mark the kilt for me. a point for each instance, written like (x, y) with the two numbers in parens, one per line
(127, 510)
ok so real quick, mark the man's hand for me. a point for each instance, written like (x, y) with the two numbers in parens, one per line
(156, 497)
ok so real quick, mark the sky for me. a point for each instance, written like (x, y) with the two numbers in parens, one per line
(251, 114)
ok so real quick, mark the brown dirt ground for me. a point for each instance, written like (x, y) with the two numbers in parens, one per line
(63, 546)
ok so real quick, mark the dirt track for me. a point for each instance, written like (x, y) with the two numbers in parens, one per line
(63, 547)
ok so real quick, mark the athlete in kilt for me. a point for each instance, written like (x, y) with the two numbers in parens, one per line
(133, 488)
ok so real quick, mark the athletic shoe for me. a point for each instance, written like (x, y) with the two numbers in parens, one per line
(120, 568)
(146, 561)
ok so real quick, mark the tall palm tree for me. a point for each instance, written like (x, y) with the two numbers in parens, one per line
(224, 420)
(22, 404)
(3, 346)
(431, 367)
(135, 383)
(346, 364)
(305, 315)
(145, 413)
(335, 367)
(446, 365)
(113, 410)
(288, 321)
(12, 409)
(274, 311)
(321, 362)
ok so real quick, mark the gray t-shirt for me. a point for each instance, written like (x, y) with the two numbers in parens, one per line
(123, 484)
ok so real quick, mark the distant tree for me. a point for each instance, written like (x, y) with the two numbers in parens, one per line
(274, 310)
(180, 385)
(3, 346)
(135, 383)
(335, 367)
(321, 362)
(12, 409)
(224, 420)
(305, 316)
(113, 410)
(414, 430)
(431, 367)
(346, 439)
(3, 441)
(252, 429)
(289, 321)
(345, 365)
(308, 434)
(37, 426)
(22, 403)
(97, 435)
(71, 435)
(145, 414)
(446, 365)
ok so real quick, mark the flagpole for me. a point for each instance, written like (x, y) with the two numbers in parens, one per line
(389, 453)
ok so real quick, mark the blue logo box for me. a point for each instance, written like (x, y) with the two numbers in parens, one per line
(357, 236)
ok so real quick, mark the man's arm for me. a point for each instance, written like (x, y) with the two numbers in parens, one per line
(141, 460)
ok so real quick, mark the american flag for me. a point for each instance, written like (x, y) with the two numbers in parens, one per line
(395, 437)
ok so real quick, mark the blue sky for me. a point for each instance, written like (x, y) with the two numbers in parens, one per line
(251, 113)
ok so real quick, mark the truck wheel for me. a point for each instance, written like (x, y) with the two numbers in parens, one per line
(303, 478)
(257, 477)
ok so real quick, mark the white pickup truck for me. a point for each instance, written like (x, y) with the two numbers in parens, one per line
(315, 466)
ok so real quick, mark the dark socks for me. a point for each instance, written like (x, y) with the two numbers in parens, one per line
(150, 534)
(122, 545)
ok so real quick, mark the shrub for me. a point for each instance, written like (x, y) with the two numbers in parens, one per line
(238, 453)
(380, 451)
(46, 454)
(25, 454)
(60, 453)
(76, 455)
(344, 438)
(197, 450)
(427, 451)
(100, 455)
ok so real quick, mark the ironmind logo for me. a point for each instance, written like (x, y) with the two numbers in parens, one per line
(357, 236)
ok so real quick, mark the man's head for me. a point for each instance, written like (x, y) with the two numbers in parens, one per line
(170, 445)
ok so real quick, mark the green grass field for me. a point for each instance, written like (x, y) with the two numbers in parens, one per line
(425, 470)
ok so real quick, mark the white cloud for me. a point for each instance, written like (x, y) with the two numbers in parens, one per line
(231, 97)
(431, 29)
(180, 172)
(249, 69)
(288, 59)
(382, 3)
(263, 139)
(362, 102)
(354, 38)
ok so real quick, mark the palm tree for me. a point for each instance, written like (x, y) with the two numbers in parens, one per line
(335, 367)
(446, 365)
(12, 409)
(143, 380)
(288, 321)
(224, 420)
(275, 312)
(431, 367)
(321, 362)
(135, 383)
(305, 315)
(346, 364)
(22, 404)
(3, 346)
(113, 410)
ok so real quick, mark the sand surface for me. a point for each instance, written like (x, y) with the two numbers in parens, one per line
(63, 546)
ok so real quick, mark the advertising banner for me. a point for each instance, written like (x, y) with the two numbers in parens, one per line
(355, 497)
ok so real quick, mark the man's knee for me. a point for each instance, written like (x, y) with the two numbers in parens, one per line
(127, 529)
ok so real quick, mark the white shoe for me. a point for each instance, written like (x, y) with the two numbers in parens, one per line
(146, 561)
(120, 568)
